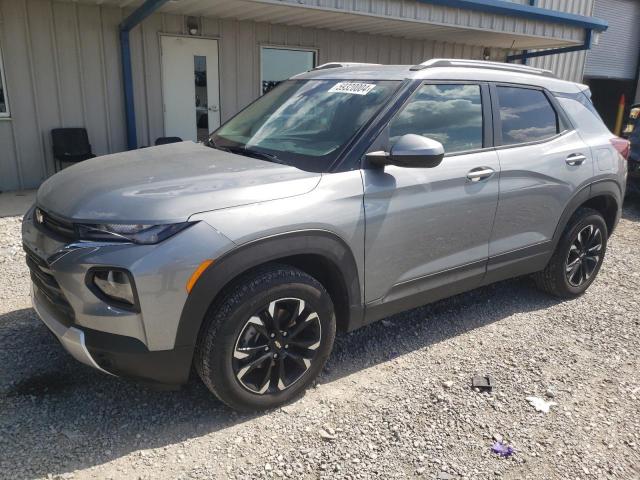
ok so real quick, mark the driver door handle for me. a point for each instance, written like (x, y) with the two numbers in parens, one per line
(575, 159)
(480, 173)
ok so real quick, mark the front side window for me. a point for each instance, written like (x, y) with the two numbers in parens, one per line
(4, 103)
(305, 123)
(450, 114)
(278, 64)
(526, 115)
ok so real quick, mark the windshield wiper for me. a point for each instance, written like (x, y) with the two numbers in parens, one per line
(249, 152)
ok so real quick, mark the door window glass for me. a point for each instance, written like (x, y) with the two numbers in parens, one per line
(526, 115)
(202, 104)
(450, 114)
(4, 104)
(278, 64)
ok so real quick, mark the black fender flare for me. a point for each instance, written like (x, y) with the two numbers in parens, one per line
(601, 188)
(269, 249)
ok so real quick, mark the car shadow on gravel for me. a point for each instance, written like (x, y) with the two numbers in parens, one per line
(56, 415)
(631, 210)
(431, 324)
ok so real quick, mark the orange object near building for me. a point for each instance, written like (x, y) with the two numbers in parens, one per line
(620, 115)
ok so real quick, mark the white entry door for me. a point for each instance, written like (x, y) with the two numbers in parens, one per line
(190, 87)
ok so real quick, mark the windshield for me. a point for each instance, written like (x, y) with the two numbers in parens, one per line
(304, 123)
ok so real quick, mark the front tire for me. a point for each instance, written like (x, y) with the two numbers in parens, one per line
(266, 339)
(578, 256)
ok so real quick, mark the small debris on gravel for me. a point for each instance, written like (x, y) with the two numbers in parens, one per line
(482, 383)
(540, 404)
(502, 449)
(326, 435)
(383, 395)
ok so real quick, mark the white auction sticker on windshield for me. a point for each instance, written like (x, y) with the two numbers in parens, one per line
(355, 88)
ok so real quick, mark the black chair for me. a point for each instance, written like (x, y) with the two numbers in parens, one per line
(70, 145)
(165, 140)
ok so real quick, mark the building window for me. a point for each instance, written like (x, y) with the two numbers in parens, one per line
(4, 101)
(450, 114)
(278, 64)
(526, 115)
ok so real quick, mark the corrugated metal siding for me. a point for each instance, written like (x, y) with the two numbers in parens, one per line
(63, 70)
(616, 55)
(437, 14)
(568, 66)
(372, 16)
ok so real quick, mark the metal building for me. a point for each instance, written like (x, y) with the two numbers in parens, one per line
(612, 64)
(130, 71)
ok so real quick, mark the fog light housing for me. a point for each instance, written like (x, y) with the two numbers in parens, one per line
(114, 286)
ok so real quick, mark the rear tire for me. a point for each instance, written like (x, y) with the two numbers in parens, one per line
(578, 256)
(266, 339)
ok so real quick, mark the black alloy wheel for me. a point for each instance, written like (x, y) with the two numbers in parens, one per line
(266, 338)
(584, 255)
(277, 346)
(578, 256)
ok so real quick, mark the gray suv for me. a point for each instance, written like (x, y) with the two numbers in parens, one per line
(346, 194)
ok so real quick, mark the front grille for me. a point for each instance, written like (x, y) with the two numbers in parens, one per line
(48, 286)
(53, 225)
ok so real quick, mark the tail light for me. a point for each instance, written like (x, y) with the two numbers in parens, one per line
(622, 146)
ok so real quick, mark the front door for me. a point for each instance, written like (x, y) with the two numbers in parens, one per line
(190, 87)
(427, 228)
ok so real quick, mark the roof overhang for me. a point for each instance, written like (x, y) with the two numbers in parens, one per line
(527, 12)
(489, 23)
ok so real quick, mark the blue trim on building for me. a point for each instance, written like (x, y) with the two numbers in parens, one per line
(528, 12)
(137, 16)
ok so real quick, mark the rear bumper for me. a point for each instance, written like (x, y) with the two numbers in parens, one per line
(114, 354)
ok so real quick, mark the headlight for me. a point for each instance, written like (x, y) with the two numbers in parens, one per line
(115, 285)
(136, 233)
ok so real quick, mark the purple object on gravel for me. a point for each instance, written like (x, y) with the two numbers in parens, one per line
(502, 449)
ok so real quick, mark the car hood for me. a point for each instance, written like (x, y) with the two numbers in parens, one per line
(167, 184)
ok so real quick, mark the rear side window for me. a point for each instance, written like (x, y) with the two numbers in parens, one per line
(582, 113)
(526, 115)
(450, 114)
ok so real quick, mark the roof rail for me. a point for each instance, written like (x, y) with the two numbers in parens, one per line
(325, 66)
(505, 67)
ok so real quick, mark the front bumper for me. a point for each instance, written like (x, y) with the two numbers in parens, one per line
(114, 354)
(71, 338)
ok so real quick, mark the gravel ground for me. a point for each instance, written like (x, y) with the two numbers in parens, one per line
(394, 401)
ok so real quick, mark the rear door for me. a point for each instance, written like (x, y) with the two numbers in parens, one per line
(543, 162)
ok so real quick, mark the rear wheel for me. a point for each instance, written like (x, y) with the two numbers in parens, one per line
(578, 256)
(267, 338)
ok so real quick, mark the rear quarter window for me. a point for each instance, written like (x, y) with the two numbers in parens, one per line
(582, 113)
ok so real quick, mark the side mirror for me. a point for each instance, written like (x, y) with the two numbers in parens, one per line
(411, 151)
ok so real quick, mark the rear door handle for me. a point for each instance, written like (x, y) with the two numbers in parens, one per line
(575, 159)
(480, 173)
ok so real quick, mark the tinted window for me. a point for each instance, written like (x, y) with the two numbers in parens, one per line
(583, 117)
(526, 115)
(582, 113)
(450, 114)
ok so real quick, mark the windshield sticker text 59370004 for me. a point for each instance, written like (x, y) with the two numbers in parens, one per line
(355, 88)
